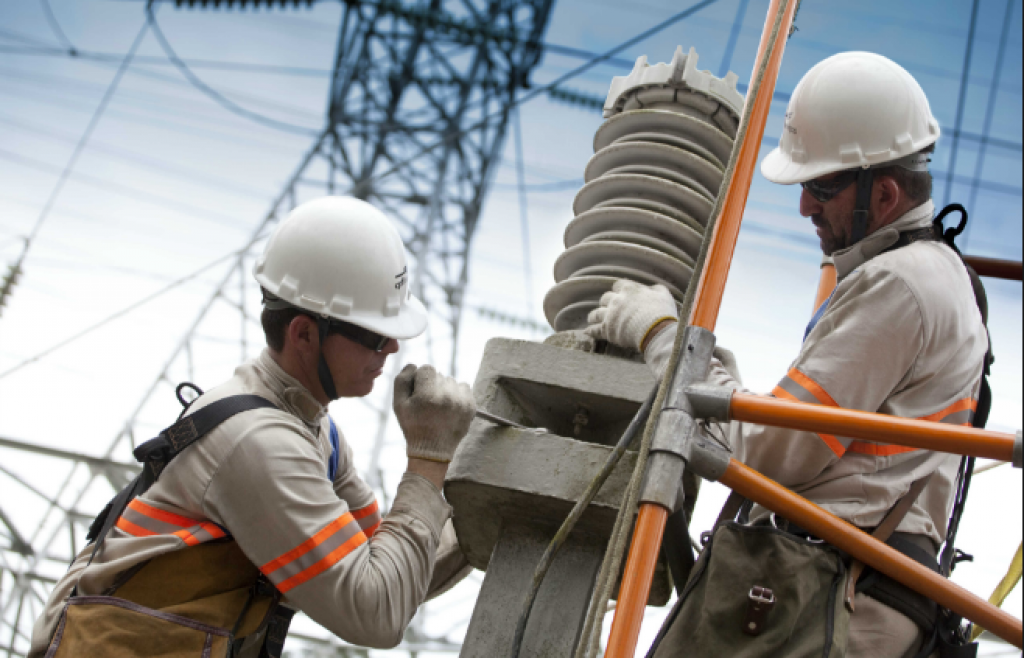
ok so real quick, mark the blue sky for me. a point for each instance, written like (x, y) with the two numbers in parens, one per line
(171, 181)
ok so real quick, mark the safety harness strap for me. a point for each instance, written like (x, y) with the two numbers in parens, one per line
(885, 530)
(949, 636)
(323, 372)
(865, 182)
(156, 453)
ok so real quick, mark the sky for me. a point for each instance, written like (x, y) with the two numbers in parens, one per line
(171, 182)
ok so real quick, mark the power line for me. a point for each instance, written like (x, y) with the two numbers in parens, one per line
(153, 60)
(24, 38)
(84, 140)
(55, 25)
(212, 93)
(961, 102)
(44, 50)
(524, 213)
(125, 311)
(672, 20)
(17, 268)
(128, 191)
(555, 186)
(145, 72)
(192, 124)
(734, 35)
(990, 108)
(205, 179)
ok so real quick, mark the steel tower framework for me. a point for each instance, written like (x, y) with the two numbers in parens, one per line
(419, 107)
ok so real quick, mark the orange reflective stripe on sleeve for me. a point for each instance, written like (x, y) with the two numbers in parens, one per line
(315, 555)
(369, 518)
(142, 520)
(798, 387)
(960, 413)
(202, 533)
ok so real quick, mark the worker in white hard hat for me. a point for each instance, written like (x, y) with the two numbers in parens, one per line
(902, 334)
(265, 514)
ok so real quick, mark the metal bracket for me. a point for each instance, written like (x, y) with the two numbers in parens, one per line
(710, 402)
(706, 458)
(676, 425)
(1018, 451)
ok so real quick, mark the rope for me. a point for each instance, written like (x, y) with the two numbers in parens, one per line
(1006, 585)
(574, 516)
(592, 630)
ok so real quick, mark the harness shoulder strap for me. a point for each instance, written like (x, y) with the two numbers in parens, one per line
(156, 453)
(885, 530)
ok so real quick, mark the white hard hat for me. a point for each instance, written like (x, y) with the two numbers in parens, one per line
(339, 257)
(851, 110)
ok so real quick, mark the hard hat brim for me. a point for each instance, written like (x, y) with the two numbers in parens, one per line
(410, 322)
(779, 168)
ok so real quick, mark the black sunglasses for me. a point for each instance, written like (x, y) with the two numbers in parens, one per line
(369, 339)
(825, 191)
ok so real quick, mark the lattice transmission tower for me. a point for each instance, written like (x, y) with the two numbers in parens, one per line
(419, 105)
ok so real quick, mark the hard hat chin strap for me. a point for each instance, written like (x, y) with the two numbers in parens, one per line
(322, 370)
(861, 212)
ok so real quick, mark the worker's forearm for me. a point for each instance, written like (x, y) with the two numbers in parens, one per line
(431, 470)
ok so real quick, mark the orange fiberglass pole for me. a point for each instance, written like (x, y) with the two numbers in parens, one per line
(870, 551)
(996, 268)
(646, 544)
(878, 428)
(826, 284)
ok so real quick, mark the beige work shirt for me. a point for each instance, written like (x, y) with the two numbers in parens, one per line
(261, 477)
(901, 335)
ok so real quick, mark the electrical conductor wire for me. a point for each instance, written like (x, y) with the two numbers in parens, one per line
(212, 93)
(125, 311)
(672, 20)
(82, 143)
(57, 29)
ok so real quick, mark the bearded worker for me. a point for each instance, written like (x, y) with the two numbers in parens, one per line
(901, 334)
(265, 514)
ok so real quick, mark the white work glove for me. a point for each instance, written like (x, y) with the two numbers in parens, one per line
(433, 411)
(728, 361)
(629, 311)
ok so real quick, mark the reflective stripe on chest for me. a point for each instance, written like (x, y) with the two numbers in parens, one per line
(798, 387)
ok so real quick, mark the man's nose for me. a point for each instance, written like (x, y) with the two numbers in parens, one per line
(809, 206)
(391, 347)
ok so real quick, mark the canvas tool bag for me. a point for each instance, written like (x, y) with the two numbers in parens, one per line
(199, 602)
(757, 591)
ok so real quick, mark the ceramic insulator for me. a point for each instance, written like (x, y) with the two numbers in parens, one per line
(659, 159)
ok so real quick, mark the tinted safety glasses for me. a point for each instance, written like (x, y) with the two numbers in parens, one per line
(825, 191)
(369, 339)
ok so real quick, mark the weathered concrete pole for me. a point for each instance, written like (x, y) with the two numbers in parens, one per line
(649, 189)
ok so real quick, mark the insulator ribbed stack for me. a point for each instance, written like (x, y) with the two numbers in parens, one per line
(658, 164)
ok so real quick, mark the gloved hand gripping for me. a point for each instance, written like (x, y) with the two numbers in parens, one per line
(433, 411)
(629, 311)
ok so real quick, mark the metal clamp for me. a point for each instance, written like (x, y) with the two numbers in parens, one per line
(705, 457)
(675, 428)
(710, 401)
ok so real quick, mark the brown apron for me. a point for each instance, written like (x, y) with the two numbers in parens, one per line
(192, 603)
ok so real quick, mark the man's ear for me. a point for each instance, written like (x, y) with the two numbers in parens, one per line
(302, 334)
(887, 197)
